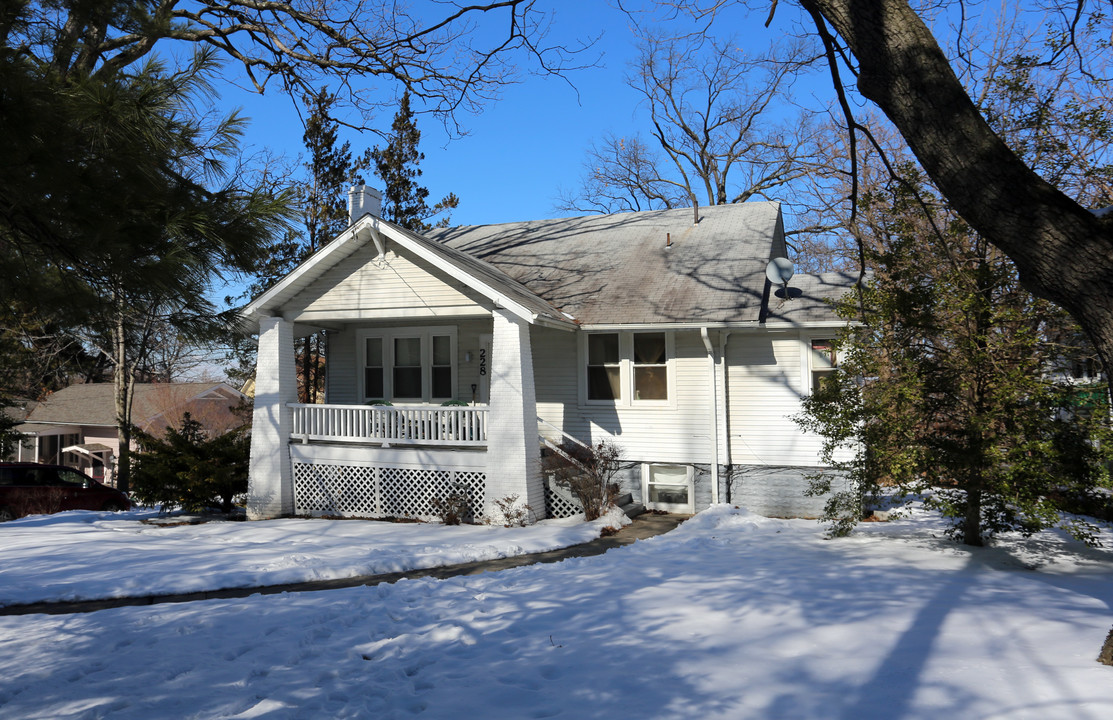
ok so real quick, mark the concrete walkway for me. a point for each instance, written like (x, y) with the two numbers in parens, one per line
(643, 526)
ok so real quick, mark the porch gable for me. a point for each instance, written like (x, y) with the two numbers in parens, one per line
(397, 284)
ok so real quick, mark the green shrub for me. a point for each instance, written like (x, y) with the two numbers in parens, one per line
(189, 469)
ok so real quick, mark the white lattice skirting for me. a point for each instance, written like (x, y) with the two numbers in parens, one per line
(381, 491)
(559, 501)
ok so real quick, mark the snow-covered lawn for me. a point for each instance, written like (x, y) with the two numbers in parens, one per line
(729, 616)
(83, 555)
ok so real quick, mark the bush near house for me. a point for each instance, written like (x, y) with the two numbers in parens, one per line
(191, 470)
(589, 473)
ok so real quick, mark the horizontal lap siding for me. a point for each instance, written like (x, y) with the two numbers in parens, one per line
(341, 369)
(554, 378)
(765, 386)
(362, 282)
(679, 433)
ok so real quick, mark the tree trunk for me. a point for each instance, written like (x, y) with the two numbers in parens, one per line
(972, 520)
(122, 390)
(1063, 251)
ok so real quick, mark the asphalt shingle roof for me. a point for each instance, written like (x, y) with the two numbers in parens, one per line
(94, 403)
(616, 269)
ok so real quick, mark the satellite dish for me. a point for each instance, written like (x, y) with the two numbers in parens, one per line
(779, 271)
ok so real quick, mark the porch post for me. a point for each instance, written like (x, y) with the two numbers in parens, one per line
(270, 491)
(513, 450)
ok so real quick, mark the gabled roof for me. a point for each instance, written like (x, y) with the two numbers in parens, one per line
(478, 275)
(619, 269)
(642, 268)
(94, 403)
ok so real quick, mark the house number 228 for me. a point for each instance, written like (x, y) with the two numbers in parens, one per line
(483, 362)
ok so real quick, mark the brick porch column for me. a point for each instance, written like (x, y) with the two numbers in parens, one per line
(513, 450)
(270, 485)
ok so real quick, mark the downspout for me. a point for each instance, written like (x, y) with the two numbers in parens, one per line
(724, 335)
(714, 416)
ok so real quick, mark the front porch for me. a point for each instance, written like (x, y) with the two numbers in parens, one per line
(429, 380)
(375, 456)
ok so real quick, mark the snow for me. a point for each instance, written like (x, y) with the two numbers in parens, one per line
(729, 616)
(84, 555)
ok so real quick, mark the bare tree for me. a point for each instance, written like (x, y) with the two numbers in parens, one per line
(449, 55)
(723, 130)
(1064, 252)
(886, 51)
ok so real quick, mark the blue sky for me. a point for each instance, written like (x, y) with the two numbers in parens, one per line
(524, 148)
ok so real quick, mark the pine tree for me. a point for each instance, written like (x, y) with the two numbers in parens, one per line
(329, 170)
(404, 202)
(332, 169)
(949, 391)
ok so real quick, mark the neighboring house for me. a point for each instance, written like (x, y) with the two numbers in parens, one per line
(76, 426)
(647, 329)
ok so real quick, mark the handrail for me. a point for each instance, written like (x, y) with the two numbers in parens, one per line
(390, 424)
(566, 435)
(561, 451)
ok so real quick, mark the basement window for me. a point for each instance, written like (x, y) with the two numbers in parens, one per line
(668, 487)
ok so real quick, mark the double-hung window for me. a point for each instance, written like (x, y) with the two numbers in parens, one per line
(823, 362)
(604, 372)
(408, 365)
(627, 368)
(651, 370)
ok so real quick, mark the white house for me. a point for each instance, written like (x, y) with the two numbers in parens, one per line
(650, 329)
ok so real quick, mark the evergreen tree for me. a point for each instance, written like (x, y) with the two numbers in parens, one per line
(404, 202)
(110, 218)
(189, 469)
(330, 169)
(951, 389)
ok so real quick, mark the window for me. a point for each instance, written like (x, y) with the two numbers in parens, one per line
(823, 362)
(407, 368)
(603, 371)
(668, 487)
(72, 478)
(408, 365)
(651, 377)
(442, 366)
(374, 386)
(627, 368)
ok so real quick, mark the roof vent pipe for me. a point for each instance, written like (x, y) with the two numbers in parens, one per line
(363, 200)
(668, 240)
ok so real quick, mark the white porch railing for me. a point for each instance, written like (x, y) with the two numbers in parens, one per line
(391, 425)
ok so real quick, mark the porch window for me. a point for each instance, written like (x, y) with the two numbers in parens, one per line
(373, 379)
(603, 369)
(407, 368)
(442, 366)
(409, 364)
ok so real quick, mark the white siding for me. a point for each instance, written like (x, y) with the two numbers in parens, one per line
(365, 283)
(678, 433)
(765, 384)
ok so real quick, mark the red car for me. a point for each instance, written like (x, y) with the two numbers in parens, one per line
(34, 489)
